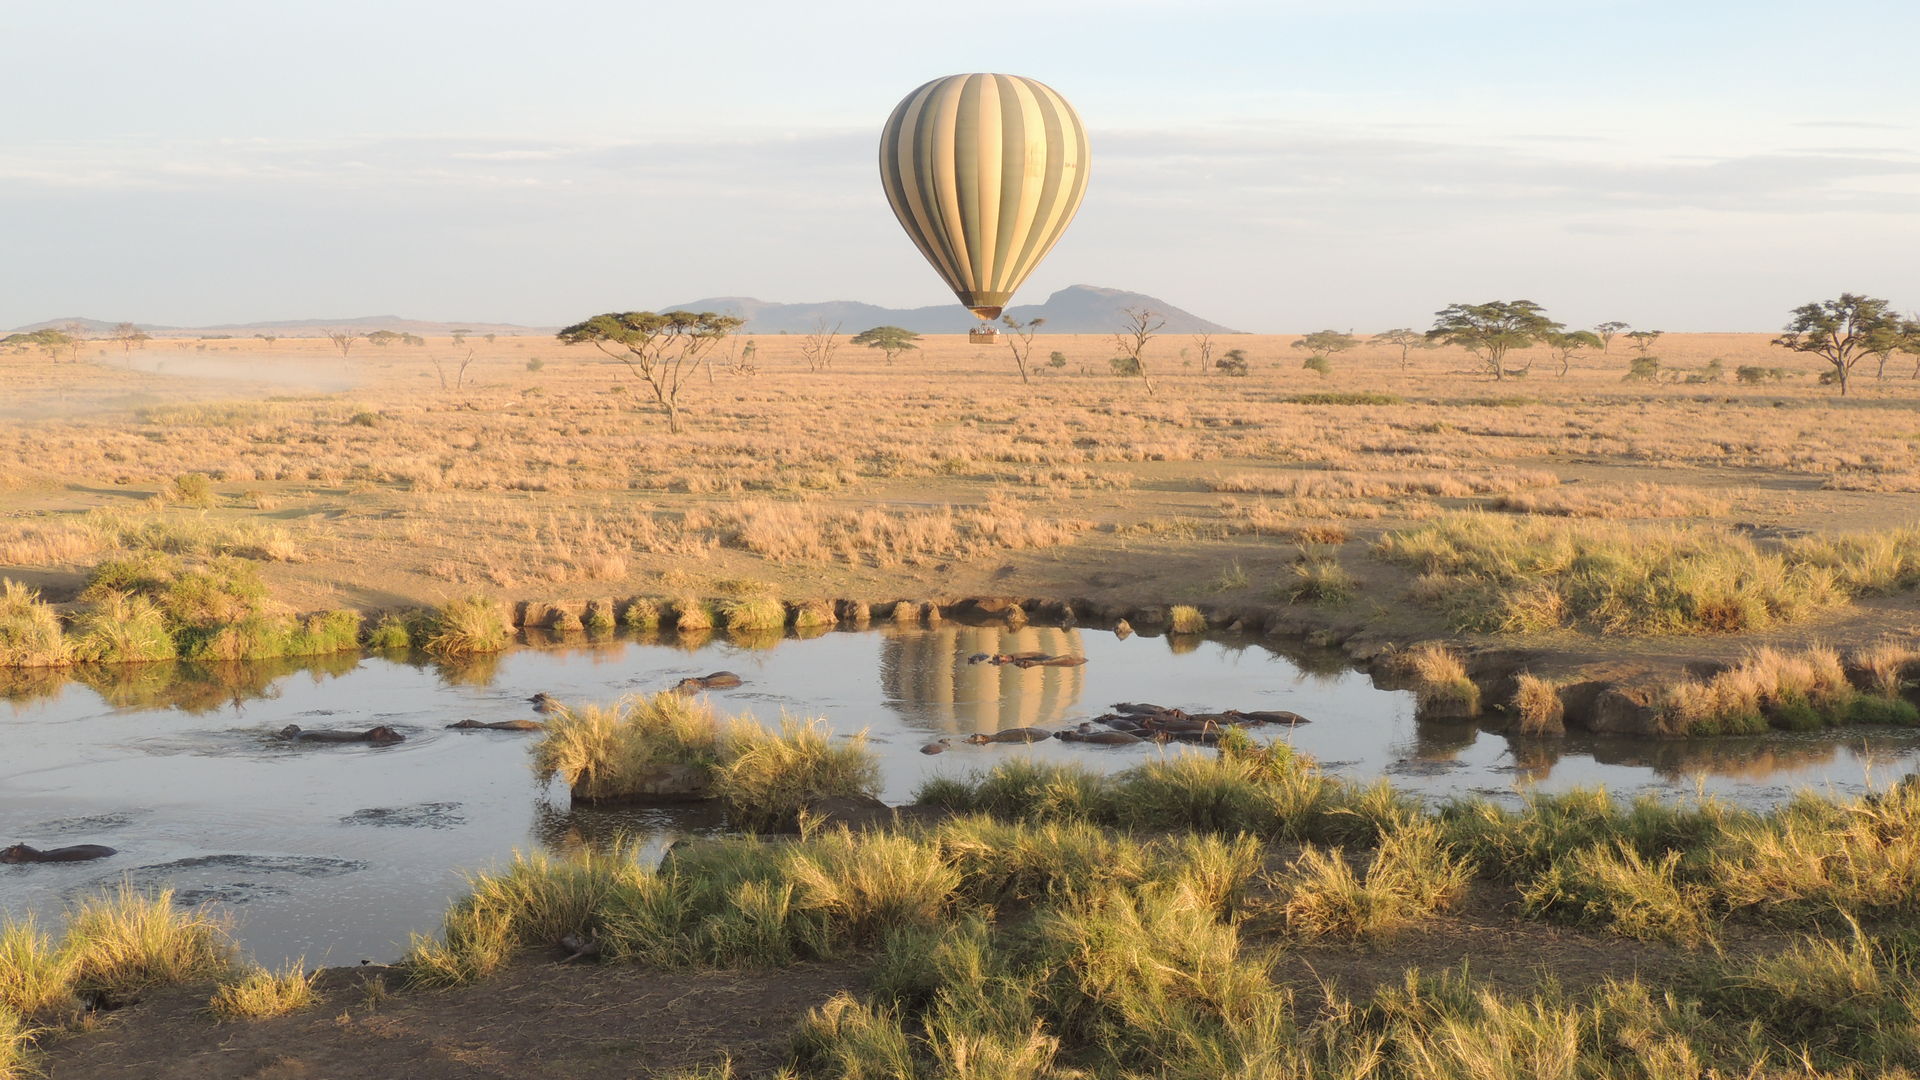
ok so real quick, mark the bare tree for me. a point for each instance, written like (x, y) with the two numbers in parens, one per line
(819, 346)
(76, 336)
(129, 335)
(1021, 342)
(1138, 328)
(459, 373)
(1204, 341)
(343, 340)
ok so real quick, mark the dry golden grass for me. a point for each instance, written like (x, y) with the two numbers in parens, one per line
(939, 475)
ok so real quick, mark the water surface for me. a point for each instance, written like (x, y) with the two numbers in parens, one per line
(338, 852)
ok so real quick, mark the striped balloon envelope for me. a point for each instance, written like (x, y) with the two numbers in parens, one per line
(984, 172)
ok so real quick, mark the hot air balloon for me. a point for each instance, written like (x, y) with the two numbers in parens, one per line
(984, 172)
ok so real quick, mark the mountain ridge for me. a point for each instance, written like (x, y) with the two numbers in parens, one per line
(1076, 309)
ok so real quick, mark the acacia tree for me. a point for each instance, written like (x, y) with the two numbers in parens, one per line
(1566, 344)
(1887, 341)
(1607, 331)
(1643, 340)
(1403, 338)
(1840, 331)
(343, 340)
(1326, 344)
(891, 340)
(662, 351)
(1491, 330)
(383, 338)
(1138, 328)
(1021, 342)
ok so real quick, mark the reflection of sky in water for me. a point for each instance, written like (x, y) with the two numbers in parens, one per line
(338, 852)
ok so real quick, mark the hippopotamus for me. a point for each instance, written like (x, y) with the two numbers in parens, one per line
(500, 725)
(21, 853)
(937, 746)
(1047, 661)
(544, 702)
(378, 736)
(1016, 734)
(1141, 709)
(719, 680)
(1099, 738)
(980, 658)
(1269, 716)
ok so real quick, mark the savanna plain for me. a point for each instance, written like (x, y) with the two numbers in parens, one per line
(1712, 545)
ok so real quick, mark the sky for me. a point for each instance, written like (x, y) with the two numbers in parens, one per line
(1277, 166)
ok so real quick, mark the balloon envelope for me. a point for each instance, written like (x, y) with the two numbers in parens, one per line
(984, 172)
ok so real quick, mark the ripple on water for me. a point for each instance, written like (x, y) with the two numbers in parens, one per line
(227, 879)
(426, 815)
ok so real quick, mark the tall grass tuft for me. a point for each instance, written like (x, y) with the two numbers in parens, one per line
(752, 614)
(1529, 575)
(1022, 789)
(866, 885)
(36, 975)
(1186, 619)
(1797, 691)
(1413, 874)
(765, 779)
(259, 993)
(1632, 894)
(16, 1046)
(473, 624)
(1538, 703)
(127, 941)
(30, 633)
(123, 628)
(613, 751)
(689, 613)
(1441, 682)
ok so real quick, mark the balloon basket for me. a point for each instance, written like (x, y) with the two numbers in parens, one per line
(983, 335)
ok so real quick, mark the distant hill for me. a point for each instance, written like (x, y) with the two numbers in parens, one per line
(1077, 309)
(297, 327)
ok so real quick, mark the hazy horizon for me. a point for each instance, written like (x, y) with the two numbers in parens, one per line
(1273, 167)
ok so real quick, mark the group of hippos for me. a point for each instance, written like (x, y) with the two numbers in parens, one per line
(1130, 723)
(542, 703)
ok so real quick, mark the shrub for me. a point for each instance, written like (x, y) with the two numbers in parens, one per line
(1319, 365)
(1125, 365)
(193, 489)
